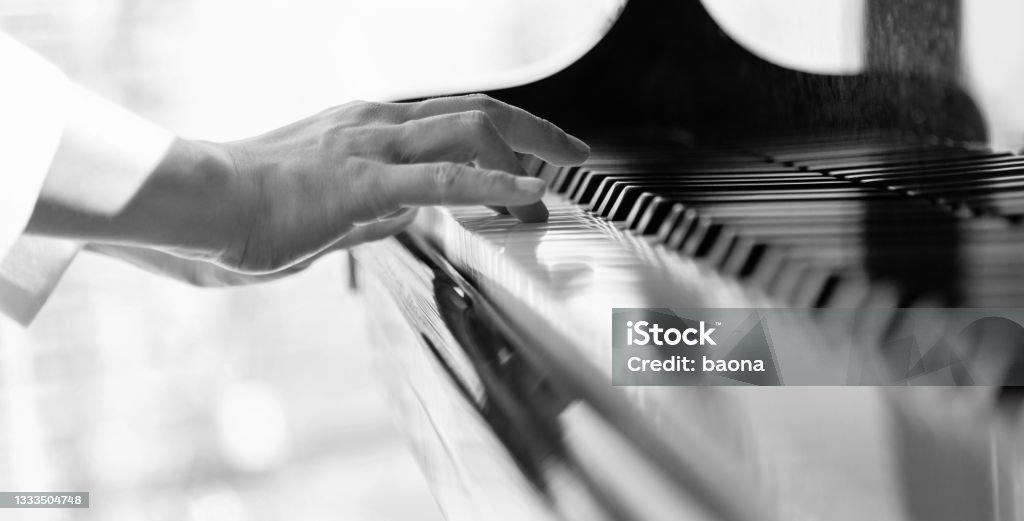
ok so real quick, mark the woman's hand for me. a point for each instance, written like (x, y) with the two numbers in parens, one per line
(311, 184)
(272, 202)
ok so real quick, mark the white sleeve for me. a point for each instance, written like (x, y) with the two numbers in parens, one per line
(33, 97)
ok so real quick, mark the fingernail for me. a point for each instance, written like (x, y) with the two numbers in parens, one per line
(530, 185)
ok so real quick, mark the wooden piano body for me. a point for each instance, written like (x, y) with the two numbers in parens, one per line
(494, 334)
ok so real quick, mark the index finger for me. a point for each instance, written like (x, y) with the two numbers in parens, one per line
(427, 184)
(523, 131)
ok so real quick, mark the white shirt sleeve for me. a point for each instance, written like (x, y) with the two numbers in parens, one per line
(33, 97)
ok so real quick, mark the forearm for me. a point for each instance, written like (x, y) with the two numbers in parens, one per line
(118, 179)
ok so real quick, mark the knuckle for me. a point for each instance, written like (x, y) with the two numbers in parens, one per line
(375, 203)
(364, 111)
(393, 150)
(476, 120)
(447, 178)
(483, 101)
(376, 142)
(479, 129)
(377, 198)
(338, 111)
(403, 145)
(351, 142)
(368, 108)
(497, 111)
(336, 137)
(356, 169)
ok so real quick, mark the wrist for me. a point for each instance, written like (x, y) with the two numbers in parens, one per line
(186, 198)
(117, 178)
(199, 198)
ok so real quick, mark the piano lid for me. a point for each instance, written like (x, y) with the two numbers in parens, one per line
(975, 44)
(945, 68)
(805, 35)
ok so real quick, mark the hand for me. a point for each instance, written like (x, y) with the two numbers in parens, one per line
(268, 203)
(311, 184)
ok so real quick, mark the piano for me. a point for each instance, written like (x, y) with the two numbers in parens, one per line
(719, 179)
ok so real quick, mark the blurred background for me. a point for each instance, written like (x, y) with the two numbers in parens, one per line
(167, 402)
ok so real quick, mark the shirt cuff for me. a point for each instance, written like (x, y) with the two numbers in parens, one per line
(33, 101)
(30, 272)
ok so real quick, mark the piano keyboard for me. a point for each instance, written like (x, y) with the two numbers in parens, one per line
(845, 222)
(848, 222)
(811, 223)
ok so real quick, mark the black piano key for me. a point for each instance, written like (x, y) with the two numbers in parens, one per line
(867, 150)
(965, 164)
(854, 208)
(532, 165)
(833, 281)
(993, 184)
(811, 287)
(618, 202)
(787, 197)
(719, 249)
(947, 174)
(669, 223)
(574, 184)
(850, 290)
(702, 238)
(965, 180)
(549, 174)
(800, 231)
(679, 233)
(660, 212)
(609, 190)
(738, 255)
(563, 179)
(617, 195)
(787, 279)
(745, 257)
(590, 182)
(772, 262)
(888, 161)
(810, 185)
(639, 211)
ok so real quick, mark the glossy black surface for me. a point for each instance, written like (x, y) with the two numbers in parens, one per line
(666, 67)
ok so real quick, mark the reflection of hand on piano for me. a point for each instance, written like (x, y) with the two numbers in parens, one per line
(537, 248)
